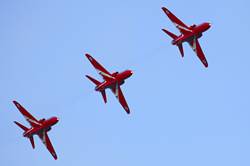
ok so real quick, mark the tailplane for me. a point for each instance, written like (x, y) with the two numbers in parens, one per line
(21, 126)
(93, 80)
(173, 36)
(98, 83)
(25, 129)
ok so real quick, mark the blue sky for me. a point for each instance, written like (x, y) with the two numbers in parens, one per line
(182, 113)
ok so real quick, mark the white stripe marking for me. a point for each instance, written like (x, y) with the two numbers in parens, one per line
(181, 27)
(117, 90)
(105, 74)
(31, 121)
(194, 45)
(44, 138)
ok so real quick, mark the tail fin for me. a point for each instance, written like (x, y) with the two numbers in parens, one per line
(173, 36)
(93, 80)
(25, 129)
(104, 96)
(181, 49)
(32, 142)
(98, 83)
(21, 126)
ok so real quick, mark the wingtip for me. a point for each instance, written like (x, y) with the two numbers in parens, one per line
(127, 110)
(54, 155)
(90, 58)
(165, 10)
(88, 55)
(205, 63)
(16, 104)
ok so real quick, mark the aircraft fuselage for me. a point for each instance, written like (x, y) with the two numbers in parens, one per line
(196, 31)
(44, 125)
(117, 78)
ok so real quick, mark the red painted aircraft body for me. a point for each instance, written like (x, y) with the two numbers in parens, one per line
(111, 81)
(38, 127)
(189, 34)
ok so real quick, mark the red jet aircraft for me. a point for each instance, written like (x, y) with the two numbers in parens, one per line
(39, 127)
(189, 34)
(112, 81)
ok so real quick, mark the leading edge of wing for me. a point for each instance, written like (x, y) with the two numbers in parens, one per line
(32, 120)
(119, 95)
(183, 28)
(197, 49)
(46, 141)
(100, 69)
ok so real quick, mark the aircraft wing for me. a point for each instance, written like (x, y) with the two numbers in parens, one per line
(119, 95)
(33, 121)
(100, 69)
(177, 22)
(46, 141)
(197, 49)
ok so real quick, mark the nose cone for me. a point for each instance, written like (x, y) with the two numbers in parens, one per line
(205, 26)
(130, 72)
(55, 119)
(209, 24)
